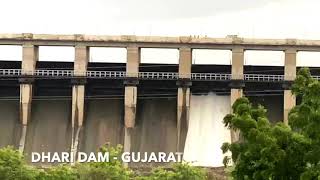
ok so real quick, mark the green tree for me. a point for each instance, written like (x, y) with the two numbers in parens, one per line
(275, 152)
(305, 119)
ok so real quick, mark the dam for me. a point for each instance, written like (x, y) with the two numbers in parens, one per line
(81, 105)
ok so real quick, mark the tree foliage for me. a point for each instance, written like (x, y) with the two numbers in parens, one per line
(13, 167)
(277, 152)
(112, 170)
(179, 171)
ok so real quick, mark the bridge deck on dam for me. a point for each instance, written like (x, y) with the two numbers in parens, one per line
(51, 87)
(54, 78)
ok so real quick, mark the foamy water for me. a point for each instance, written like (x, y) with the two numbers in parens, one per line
(206, 132)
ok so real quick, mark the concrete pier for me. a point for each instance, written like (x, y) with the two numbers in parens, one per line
(183, 98)
(78, 92)
(130, 95)
(30, 56)
(133, 61)
(237, 81)
(289, 76)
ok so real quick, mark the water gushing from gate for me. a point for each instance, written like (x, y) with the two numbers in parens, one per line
(206, 132)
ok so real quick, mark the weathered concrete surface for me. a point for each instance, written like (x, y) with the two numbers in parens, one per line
(130, 95)
(273, 104)
(30, 57)
(133, 61)
(183, 111)
(103, 124)
(9, 123)
(158, 41)
(289, 101)
(290, 71)
(82, 54)
(156, 126)
(183, 96)
(50, 127)
(185, 62)
(236, 74)
(132, 70)
(234, 95)
(130, 105)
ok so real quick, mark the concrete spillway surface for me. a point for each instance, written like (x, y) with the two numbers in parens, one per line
(103, 124)
(155, 129)
(50, 127)
(206, 132)
(9, 123)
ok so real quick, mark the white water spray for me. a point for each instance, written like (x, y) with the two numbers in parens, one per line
(206, 132)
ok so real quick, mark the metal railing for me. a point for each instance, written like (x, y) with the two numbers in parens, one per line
(53, 73)
(158, 75)
(263, 77)
(141, 75)
(210, 77)
(106, 74)
(316, 77)
(10, 72)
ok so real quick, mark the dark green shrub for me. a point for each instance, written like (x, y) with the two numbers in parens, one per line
(13, 166)
(179, 171)
(61, 172)
(112, 170)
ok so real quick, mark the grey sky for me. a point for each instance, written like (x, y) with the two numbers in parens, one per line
(214, 18)
(163, 9)
(253, 18)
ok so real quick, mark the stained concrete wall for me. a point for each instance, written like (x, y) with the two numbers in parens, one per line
(9, 123)
(155, 128)
(103, 124)
(50, 127)
(155, 131)
(273, 104)
(156, 123)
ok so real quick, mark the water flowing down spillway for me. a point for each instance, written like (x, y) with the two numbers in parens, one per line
(206, 132)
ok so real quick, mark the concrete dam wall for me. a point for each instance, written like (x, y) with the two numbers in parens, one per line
(9, 123)
(49, 129)
(156, 126)
(103, 124)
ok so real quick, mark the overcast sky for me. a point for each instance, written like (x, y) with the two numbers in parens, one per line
(214, 18)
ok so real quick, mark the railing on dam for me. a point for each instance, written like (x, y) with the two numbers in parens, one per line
(42, 73)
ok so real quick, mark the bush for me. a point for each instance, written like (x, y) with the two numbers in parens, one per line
(13, 166)
(179, 171)
(61, 172)
(112, 170)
